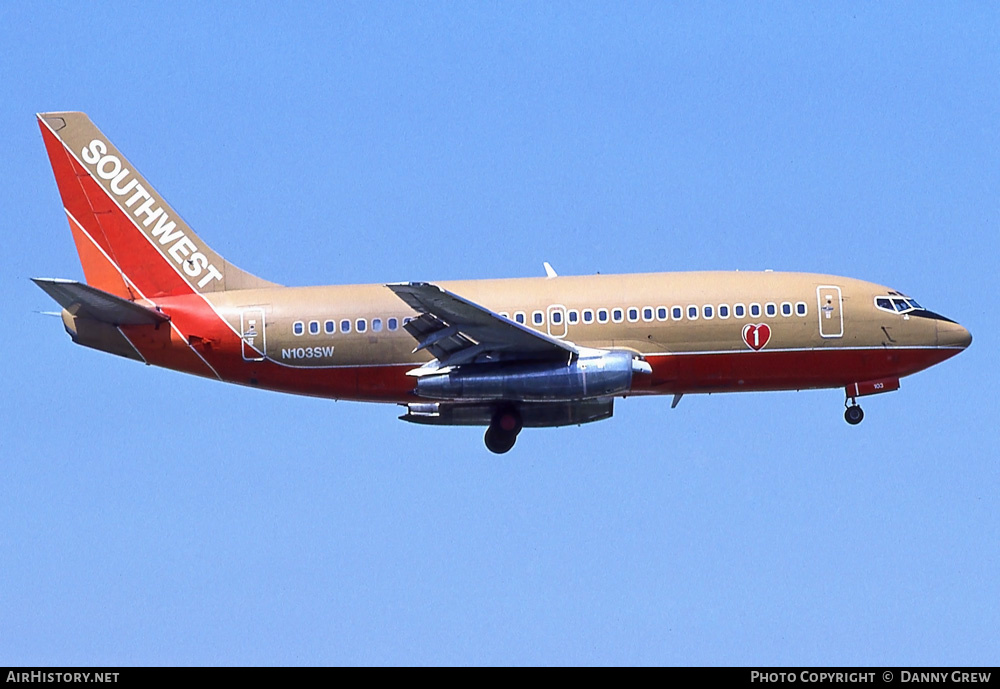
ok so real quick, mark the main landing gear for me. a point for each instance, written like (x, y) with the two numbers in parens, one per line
(503, 430)
(853, 414)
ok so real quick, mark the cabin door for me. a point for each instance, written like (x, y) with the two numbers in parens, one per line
(252, 329)
(830, 305)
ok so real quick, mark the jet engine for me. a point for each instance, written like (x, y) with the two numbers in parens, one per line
(604, 373)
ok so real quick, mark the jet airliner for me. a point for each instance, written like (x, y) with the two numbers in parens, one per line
(504, 354)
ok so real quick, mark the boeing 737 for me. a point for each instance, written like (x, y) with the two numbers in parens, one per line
(504, 354)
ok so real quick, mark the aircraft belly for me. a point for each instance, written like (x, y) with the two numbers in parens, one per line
(797, 370)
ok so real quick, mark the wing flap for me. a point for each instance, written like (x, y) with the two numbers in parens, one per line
(437, 337)
(90, 302)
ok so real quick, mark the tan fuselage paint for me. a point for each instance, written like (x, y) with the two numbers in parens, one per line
(864, 326)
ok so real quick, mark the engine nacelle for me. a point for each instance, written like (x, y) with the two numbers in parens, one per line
(599, 375)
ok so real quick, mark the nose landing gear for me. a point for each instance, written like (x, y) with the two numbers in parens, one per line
(853, 414)
(503, 430)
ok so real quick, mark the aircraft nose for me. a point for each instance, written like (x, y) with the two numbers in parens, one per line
(952, 335)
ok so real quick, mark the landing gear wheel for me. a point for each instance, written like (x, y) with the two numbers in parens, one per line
(498, 441)
(503, 430)
(853, 415)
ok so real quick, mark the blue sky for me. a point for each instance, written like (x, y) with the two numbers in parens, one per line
(151, 518)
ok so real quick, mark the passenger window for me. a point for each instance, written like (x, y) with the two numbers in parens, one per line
(755, 310)
(519, 317)
(740, 311)
(678, 313)
(708, 311)
(557, 317)
(345, 326)
(298, 327)
(617, 315)
(407, 320)
(504, 314)
(661, 313)
(538, 317)
(588, 316)
(314, 327)
(633, 314)
(786, 309)
(377, 325)
(800, 308)
(693, 313)
(362, 325)
(647, 314)
(772, 309)
(392, 324)
(330, 327)
(723, 311)
(573, 316)
(602, 315)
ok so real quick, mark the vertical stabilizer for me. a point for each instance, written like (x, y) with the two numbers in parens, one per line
(128, 238)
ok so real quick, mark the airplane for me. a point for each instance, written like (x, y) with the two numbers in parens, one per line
(505, 354)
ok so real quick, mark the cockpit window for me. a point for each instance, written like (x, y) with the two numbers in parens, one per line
(897, 304)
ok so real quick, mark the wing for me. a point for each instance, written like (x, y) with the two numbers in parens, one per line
(458, 331)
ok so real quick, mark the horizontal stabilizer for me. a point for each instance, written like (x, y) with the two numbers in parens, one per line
(90, 302)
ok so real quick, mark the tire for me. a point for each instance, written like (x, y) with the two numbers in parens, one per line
(853, 415)
(498, 442)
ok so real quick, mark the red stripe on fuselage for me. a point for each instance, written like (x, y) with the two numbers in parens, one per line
(782, 370)
(690, 373)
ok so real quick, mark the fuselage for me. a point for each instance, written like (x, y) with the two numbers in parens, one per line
(700, 332)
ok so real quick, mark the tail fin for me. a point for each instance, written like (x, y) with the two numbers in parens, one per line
(131, 243)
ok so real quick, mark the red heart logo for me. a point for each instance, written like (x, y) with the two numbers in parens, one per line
(756, 336)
